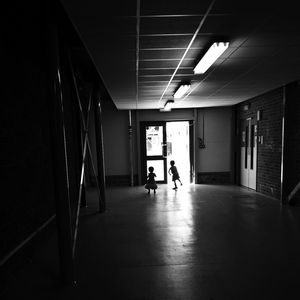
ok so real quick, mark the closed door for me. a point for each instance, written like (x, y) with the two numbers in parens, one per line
(154, 150)
(248, 153)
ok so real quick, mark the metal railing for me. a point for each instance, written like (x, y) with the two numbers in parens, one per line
(86, 148)
(293, 192)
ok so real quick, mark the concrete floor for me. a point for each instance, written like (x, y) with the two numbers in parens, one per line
(200, 242)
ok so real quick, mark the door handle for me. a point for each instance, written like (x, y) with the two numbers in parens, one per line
(164, 149)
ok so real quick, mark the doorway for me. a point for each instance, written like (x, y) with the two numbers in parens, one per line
(178, 148)
(248, 153)
(163, 141)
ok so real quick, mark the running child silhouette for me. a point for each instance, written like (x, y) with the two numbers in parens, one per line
(174, 172)
(151, 184)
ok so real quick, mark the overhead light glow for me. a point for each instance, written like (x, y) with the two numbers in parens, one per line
(213, 53)
(181, 91)
(168, 105)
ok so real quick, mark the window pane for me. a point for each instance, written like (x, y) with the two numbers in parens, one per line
(154, 140)
(246, 147)
(252, 146)
(158, 166)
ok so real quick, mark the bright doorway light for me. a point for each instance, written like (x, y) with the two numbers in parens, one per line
(178, 149)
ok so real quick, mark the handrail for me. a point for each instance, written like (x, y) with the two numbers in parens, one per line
(26, 241)
(293, 192)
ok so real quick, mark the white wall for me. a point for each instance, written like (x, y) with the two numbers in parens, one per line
(216, 156)
(174, 115)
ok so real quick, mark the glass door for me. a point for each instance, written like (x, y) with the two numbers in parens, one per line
(154, 150)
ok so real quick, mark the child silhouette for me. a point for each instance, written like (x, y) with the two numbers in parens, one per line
(151, 184)
(174, 172)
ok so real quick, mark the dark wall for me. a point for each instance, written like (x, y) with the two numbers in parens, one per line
(116, 141)
(26, 157)
(291, 174)
(41, 150)
(270, 127)
(29, 140)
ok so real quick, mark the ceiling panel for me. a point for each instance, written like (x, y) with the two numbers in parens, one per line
(243, 52)
(264, 50)
(174, 41)
(169, 25)
(162, 43)
(169, 7)
(167, 63)
(164, 54)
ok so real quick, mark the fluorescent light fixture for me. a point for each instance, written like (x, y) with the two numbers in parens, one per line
(181, 91)
(213, 53)
(168, 105)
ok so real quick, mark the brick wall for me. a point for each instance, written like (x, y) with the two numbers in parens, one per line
(270, 127)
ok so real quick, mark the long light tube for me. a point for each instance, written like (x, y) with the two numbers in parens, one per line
(181, 91)
(168, 105)
(213, 53)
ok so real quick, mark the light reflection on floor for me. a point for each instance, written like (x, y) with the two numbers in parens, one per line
(199, 242)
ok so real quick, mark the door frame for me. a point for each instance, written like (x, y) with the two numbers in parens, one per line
(163, 157)
(248, 156)
(142, 144)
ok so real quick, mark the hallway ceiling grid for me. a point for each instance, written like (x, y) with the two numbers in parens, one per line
(263, 52)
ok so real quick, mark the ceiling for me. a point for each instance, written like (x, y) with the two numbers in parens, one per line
(143, 49)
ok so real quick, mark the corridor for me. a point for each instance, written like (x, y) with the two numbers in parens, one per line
(94, 95)
(200, 242)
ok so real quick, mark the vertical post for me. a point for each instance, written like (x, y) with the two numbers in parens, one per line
(59, 151)
(130, 149)
(192, 150)
(100, 149)
(83, 194)
(138, 138)
(233, 146)
(196, 152)
(81, 119)
(282, 184)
